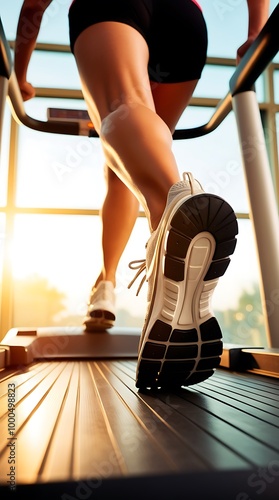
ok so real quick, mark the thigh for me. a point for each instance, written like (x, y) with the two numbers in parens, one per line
(171, 99)
(112, 60)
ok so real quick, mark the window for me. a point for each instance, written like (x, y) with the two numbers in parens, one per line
(4, 158)
(276, 86)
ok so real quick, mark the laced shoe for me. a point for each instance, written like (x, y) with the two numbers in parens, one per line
(181, 339)
(101, 307)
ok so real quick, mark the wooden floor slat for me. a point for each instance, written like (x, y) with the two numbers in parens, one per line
(252, 396)
(82, 419)
(240, 405)
(59, 460)
(191, 435)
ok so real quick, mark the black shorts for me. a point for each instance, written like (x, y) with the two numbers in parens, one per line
(175, 32)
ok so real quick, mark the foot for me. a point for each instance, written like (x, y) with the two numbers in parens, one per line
(101, 307)
(181, 339)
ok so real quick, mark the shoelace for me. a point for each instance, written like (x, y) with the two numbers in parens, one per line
(139, 265)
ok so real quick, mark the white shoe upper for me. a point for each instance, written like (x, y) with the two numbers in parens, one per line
(102, 298)
(181, 190)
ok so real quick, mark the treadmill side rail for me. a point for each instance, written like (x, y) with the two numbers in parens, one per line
(27, 345)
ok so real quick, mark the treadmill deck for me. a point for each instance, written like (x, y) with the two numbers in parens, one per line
(84, 422)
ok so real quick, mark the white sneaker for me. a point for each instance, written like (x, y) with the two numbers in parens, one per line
(181, 339)
(101, 307)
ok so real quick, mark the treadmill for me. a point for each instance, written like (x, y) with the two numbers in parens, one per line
(24, 345)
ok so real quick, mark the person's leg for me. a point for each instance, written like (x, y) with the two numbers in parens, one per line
(181, 339)
(119, 213)
(112, 60)
(120, 207)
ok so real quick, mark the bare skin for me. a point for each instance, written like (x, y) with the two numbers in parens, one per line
(119, 214)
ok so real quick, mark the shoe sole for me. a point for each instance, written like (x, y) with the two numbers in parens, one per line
(182, 343)
(99, 321)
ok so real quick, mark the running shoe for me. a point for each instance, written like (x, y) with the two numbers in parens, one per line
(101, 307)
(181, 341)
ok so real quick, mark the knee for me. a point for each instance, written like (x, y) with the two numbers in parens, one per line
(113, 121)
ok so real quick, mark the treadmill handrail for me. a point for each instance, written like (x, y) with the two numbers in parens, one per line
(16, 101)
(254, 62)
(20, 115)
(257, 58)
(223, 108)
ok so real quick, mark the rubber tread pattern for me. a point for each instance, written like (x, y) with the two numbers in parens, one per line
(194, 353)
